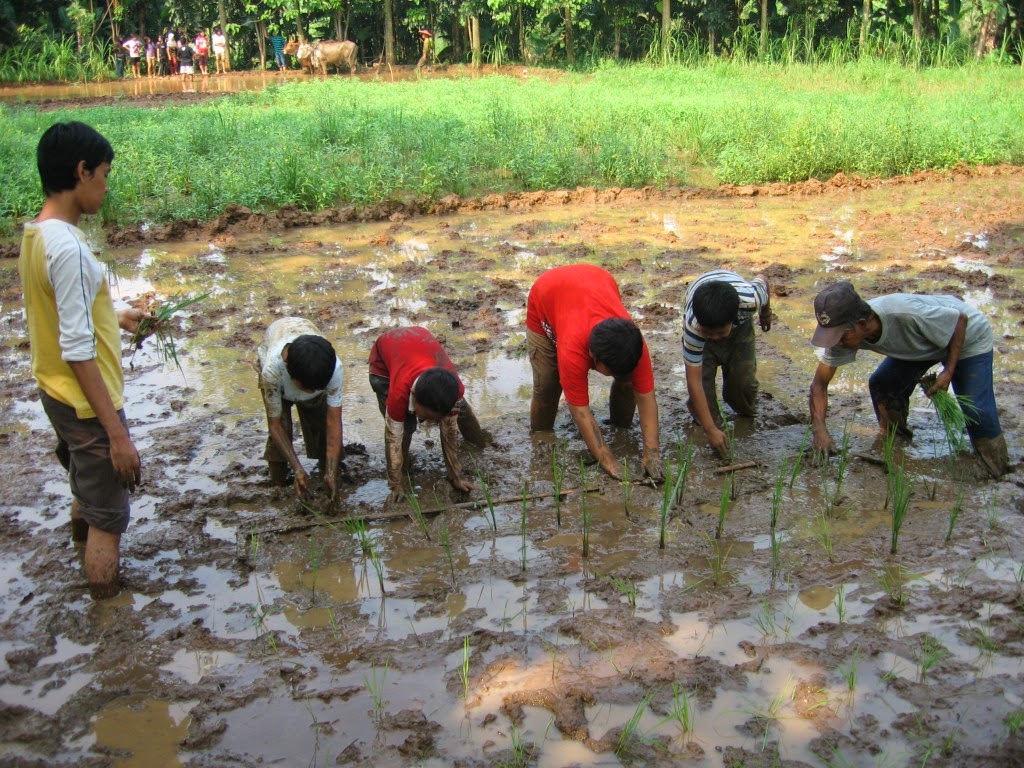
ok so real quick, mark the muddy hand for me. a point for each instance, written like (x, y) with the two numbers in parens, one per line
(461, 485)
(653, 467)
(127, 464)
(301, 483)
(719, 442)
(129, 319)
(765, 319)
(942, 382)
(821, 448)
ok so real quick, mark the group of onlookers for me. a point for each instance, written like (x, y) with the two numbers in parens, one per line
(172, 53)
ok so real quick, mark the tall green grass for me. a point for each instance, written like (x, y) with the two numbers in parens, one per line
(320, 144)
(38, 58)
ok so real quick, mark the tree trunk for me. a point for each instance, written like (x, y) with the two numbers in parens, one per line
(987, 34)
(762, 48)
(617, 41)
(474, 41)
(570, 53)
(389, 33)
(918, 21)
(666, 29)
(223, 16)
(865, 26)
(299, 26)
(522, 35)
(261, 45)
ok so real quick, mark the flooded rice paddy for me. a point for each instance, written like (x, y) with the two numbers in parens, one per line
(255, 631)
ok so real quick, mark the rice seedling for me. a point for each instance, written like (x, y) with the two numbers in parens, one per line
(464, 668)
(631, 730)
(717, 560)
(840, 603)
(723, 504)
(417, 510)
(558, 479)
(823, 533)
(332, 622)
(843, 463)
(667, 494)
(485, 489)
(374, 682)
(522, 527)
(765, 620)
(519, 753)
(446, 544)
(889, 457)
(626, 587)
(1015, 721)
(357, 527)
(950, 410)
(254, 545)
(954, 513)
(930, 652)
(730, 434)
(777, 489)
(684, 458)
(584, 510)
(159, 327)
(900, 488)
(892, 580)
(849, 673)
(798, 460)
(682, 712)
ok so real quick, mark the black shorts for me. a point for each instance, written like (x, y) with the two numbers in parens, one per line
(83, 449)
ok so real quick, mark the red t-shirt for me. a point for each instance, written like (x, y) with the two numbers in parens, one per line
(565, 304)
(401, 355)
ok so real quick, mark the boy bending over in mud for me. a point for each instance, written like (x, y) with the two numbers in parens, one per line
(75, 339)
(576, 323)
(718, 332)
(298, 367)
(415, 380)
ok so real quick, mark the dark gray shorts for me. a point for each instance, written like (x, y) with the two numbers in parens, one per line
(84, 451)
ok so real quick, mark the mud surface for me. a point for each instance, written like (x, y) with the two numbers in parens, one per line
(253, 630)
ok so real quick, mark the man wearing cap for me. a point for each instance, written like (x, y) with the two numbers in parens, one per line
(718, 332)
(914, 333)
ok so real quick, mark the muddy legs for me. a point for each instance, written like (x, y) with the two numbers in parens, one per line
(102, 558)
(993, 455)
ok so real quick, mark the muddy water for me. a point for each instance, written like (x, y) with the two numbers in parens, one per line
(252, 631)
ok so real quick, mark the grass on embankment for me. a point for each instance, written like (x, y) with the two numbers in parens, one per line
(319, 144)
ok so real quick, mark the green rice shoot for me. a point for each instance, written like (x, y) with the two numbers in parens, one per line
(159, 328)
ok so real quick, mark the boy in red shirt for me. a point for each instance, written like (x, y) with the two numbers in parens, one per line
(576, 323)
(415, 380)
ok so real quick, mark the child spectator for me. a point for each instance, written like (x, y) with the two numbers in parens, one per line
(220, 51)
(150, 58)
(202, 51)
(185, 58)
(134, 48)
(76, 346)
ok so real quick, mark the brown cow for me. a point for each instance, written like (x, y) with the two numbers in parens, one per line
(305, 53)
(334, 53)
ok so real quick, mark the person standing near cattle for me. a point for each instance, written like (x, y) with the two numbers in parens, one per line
(415, 380)
(277, 42)
(299, 367)
(718, 332)
(914, 333)
(426, 39)
(576, 323)
(75, 341)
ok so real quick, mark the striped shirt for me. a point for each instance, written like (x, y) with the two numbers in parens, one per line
(753, 296)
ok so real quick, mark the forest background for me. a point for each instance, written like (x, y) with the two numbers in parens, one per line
(44, 40)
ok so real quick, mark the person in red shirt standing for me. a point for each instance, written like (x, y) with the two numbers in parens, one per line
(576, 323)
(414, 380)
